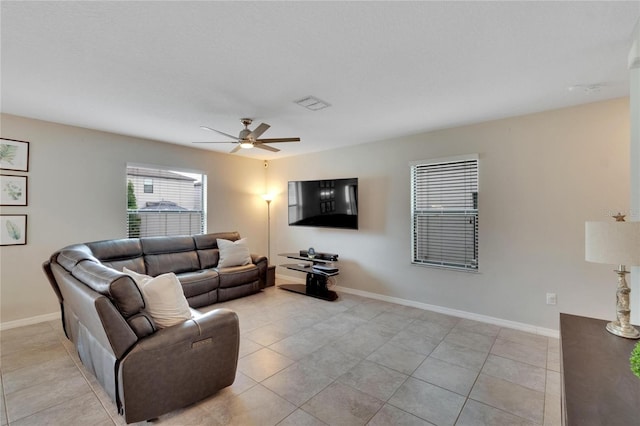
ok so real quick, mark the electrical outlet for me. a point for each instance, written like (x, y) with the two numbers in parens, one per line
(552, 299)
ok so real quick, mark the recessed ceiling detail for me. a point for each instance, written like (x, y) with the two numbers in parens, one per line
(312, 103)
(587, 88)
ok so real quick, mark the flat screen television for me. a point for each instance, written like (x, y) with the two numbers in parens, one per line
(327, 203)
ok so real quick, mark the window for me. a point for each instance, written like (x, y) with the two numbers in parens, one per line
(148, 186)
(163, 201)
(444, 210)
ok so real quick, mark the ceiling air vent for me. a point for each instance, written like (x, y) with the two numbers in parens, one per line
(312, 103)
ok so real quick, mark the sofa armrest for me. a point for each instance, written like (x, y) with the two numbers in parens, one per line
(218, 323)
(262, 263)
(46, 267)
(179, 365)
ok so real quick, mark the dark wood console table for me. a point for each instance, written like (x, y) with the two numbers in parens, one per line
(598, 387)
(316, 285)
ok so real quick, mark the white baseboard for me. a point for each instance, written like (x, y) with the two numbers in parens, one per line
(548, 332)
(440, 309)
(30, 321)
(456, 313)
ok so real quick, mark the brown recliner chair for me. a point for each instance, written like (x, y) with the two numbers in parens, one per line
(146, 371)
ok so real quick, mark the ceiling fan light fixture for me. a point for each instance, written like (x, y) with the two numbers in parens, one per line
(249, 138)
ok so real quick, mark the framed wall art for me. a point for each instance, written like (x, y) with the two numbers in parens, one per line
(13, 190)
(13, 229)
(14, 155)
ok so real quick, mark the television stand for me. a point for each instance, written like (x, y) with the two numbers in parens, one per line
(316, 285)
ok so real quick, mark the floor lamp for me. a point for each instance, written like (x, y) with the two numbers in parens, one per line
(268, 198)
(616, 243)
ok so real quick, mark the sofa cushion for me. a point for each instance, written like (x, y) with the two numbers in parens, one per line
(72, 255)
(210, 241)
(207, 246)
(169, 254)
(114, 250)
(135, 264)
(238, 275)
(142, 324)
(233, 253)
(118, 254)
(204, 299)
(138, 278)
(157, 264)
(199, 282)
(209, 258)
(164, 298)
(230, 293)
(118, 287)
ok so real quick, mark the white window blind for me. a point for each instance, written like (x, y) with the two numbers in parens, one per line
(444, 208)
(164, 202)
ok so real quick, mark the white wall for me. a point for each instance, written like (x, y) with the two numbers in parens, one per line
(77, 193)
(541, 177)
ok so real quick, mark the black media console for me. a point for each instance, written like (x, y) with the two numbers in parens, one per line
(317, 271)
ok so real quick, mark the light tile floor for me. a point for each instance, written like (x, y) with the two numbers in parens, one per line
(305, 361)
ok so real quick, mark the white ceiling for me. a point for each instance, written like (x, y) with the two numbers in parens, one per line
(159, 70)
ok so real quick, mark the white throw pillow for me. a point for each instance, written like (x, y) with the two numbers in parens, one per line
(233, 253)
(139, 279)
(163, 296)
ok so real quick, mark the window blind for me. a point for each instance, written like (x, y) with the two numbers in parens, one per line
(444, 207)
(162, 202)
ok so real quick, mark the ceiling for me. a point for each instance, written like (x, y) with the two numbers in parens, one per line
(160, 70)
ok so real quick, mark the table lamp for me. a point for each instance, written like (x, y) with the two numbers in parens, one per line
(616, 243)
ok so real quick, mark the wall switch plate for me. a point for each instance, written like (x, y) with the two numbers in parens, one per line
(552, 299)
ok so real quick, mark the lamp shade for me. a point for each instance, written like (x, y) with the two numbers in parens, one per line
(614, 243)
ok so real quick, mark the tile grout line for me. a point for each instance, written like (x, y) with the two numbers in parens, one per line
(80, 370)
(468, 396)
(4, 402)
(60, 339)
(411, 320)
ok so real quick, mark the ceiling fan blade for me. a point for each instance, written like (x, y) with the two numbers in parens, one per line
(276, 140)
(222, 133)
(235, 149)
(263, 127)
(266, 147)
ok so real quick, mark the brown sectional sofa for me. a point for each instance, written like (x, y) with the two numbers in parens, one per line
(149, 371)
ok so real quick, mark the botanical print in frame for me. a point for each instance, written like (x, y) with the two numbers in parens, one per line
(14, 155)
(13, 190)
(13, 229)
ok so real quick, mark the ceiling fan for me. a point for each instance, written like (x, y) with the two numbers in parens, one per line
(249, 138)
